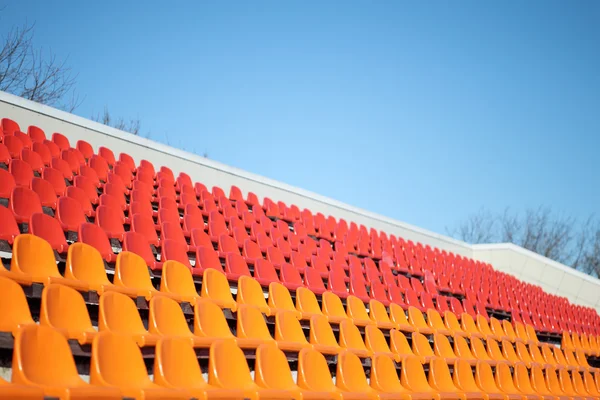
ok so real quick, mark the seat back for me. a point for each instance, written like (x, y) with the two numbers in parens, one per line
(272, 370)
(288, 328)
(166, 318)
(209, 320)
(306, 301)
(463, 377)
(350, 336)
(177, 278)
(64, 308)
(131, 271)
(434, 319)
(442, 347)
(14, 310)
(413, 377)
(478, 349)
(227, 366)
(399, 344)
(439, 376)
(34, 256)
(484, 377)
(117, 361)
(504, 379)
(321, 332)
(250, 292)
(377, 311)
(42, 356)
(467, 323)
(356, 309)
(251, 324)
(118, 313)
(508, 352)
(350, 375)
(215, 287)
(280, 298)
(421, 346)
(375, 340)
(176, 364)
(384, 377)
(461, 348)
(415, 317)
(49, 229)
(85, 263)
(522, 380)
(313, 372)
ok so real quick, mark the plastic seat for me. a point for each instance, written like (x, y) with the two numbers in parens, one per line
(207, 258)
(498, 330)
(357, 311)
(117, 362)
(313, 280)
(385, 379)
(61, 141)
(440, 380)
(83, 199)
(416, 319)
(468, 325)
(176, 367)
(110, 220)
(421, 347)
(322, 337)
(235, 266)
(177, 281)
(94, 236)
(288, 332)
(307, 304)
(523, 382)
(414, 379)
(505, 382)
(484, 377)
(351, 339)
(14, 310)
(351, 379)
(453, 325)
(144, 225)
(484, 328)
(70, 214)
(215, 288)
(264, 272)
(33, 159)
(375, 342)
(480, 352)
(177, 251)
(250, 292)
(435, 321)
(590, 385)
(64, 309)
(7, 184)
(34, 258)
(494, 351)
(9, 229)
(49, 229)
(131, 272)
(251, 325)
(42, 358)
(21, 171)
(443, 349)
(398, 316)
(17, 391)
(280, 299)
(379, 315)
(333, 308)
(24, 203)
(290, 277)
(14, 146)
(62, 166)
(88, 185)
(56, 178)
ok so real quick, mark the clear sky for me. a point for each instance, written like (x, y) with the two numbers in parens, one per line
(421, 111)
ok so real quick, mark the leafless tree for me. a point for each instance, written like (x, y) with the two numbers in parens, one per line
(131, 126)
(558, 237)
(35, 74)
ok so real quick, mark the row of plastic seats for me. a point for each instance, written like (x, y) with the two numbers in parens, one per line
(588, 344)
(43, 363)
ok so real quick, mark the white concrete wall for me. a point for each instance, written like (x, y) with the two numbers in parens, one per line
(556, 278)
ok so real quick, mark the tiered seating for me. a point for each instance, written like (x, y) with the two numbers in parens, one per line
(133, 272)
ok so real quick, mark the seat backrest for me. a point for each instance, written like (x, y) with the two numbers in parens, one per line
(384, 377)
(484, 377)
(478, 349)
(70, 213)
(85, 263)
(508, 352)
(413, 377)
(272, 370)
(375, 340)
(321, 332)
(306, 301)
(207, 258)
(227, 366)
(332, 305)
(280, 298)
(350, 336)
(451, 321)
(399, 344)
(176, 364)
(131, 271)
(442, 347)
(566, 384)
(350, 375)
(483, 326)
(313, 372)
(166, 318)
(504, 379)
(377, 311)
(521, 379)
(24, 203)
(467, 323)
(117, 361)
(177, 278)
(416, 318)
(209, 320)
(251, 323)
(235, 264)
(398, 315)
(356, 308)
(14, 310)
(434, 319)
(118, 313)
(49, 229)
(42, 356)
(216, 287)
(95, 236)
(56, 178)
(421, 346)
(33, 255)
(439, 376)
(64, 308)
(463, 377)
(288, 328)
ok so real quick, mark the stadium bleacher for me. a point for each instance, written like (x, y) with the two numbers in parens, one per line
(125, 279)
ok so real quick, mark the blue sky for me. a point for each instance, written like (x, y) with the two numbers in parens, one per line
(421, 112)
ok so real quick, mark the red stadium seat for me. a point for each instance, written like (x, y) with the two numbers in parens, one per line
(337, 283)
(235, 267)
(36, 134)
(85, 148)
(33, 159)
(313, 281)
(144, 225)
(9, 229)
(207, 257)
(14, 146)
(96, 237)
(290, 277)
(56, 178)
(4, 155)
(70, 214)
(43, 152)
(88, 185)
(63, 167)
(111, 221)
(53, 148)
(175, 250)
(82, 198)
(21, 171)
(61, 140)
(24, 203)
(49, 229)
(9, 126)
(45, 191)
(264, 272)
(107, 154)
(137, 243)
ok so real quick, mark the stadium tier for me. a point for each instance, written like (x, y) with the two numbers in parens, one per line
(124, 278)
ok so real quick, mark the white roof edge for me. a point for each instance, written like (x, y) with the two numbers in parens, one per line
(529, 253)
(141, 141)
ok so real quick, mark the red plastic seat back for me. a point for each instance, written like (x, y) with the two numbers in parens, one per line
(45, 191)
(69, 213)
(9, 229)
(24, 203)
(96, 237)
(49, 229)
(137, 243)
(144, 225)
(21, 172)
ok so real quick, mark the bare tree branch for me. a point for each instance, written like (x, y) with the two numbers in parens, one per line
(131, 126)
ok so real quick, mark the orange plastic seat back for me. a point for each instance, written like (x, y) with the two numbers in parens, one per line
(566, 384)
(272, 370)
(177, 278)
(356, 309)
(131, 271)
(250, 292)
(560, 356)
(42, 356)
(442, 347)
(439, 376)
(251, 324)
(509, 353)
(538, 381)
(14, 310)
(504, 379)
(85, 263)
(590, 385)
(350, 337)
(215, 287)
(451, 321)
(227, 366)
(321, 332)
(567, 343)
(375, 340)
(415, 317)
(547, 354)
(397, 315)
(313, 372)
(384, 377)
(34, 256)
(117, 361)
(166, 318)
(421, 346)
(350, 375)
(288, 328)
(509, 330)
(63, 308)
(413, 377)
(484, 377)
(552, 381)
(522, 380)
(478, 350)
(468, 324)
(494, 350)
(118, 313)
(377, 311)
(399, 344)
(463, 377)
(483, 325)
(280, 298)
(496, 327)
(332, 306)
(434, 319)
(461, 348)
(521, 331)
(306, 302)
(209, 320)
